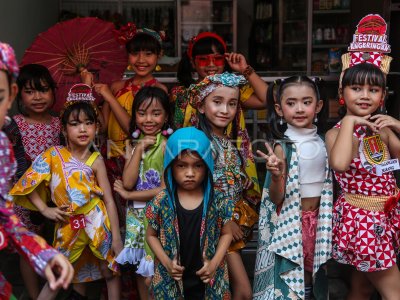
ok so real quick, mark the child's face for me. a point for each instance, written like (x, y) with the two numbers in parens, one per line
(143, 62)
(299, 106)
(7, 96)
(35, 101)
(362, 100)
(209, 64)
(189, 171)
(220, 108)
(80, 131)
(150, 117)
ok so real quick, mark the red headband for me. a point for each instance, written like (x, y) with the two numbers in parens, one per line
(203, 35)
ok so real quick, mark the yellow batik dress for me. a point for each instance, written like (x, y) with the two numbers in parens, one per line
(73, 183)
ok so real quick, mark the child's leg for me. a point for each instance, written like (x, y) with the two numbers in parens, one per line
(112, 281)
(46, 293)
(387, 283)
(79, 288)
(30, 278)
(241, 288)
(361, 287)
(142, 287)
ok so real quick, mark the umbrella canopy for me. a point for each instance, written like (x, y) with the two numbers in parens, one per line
(69, 46)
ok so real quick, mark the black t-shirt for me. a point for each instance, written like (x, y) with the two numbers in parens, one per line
(190, 255)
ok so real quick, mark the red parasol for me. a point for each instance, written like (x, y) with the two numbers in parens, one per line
(69, 46)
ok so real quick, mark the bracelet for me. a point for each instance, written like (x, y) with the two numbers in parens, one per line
(247, 72)
(279, 179)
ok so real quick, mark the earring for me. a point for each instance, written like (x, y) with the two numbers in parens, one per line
(381, 106)
(136, 133)
(341, 101)
(316, 118)
(281, 121)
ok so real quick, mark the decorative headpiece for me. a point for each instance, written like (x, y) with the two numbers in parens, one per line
(129, 31)
(203, 35)
(199, 91)
(8, 62)
(80, 93)
(369, 44)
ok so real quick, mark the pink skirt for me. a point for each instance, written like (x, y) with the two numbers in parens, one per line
(367, 240)
(309, 222)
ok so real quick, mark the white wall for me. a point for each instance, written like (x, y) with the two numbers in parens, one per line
(22, 20)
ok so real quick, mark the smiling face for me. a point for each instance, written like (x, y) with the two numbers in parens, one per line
(209, 64)
(150, 117)
(362, 100)
(299, 105)
(143, 62)
(220, 108)
(189, 171)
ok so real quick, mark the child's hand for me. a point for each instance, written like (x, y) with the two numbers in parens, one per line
(117, 245)
(382, 121)
(247, 184)
(236, 61)
(57, 214)
(207, 272)
(175, 270)
(365, 120)
(274, 164)
(119, 188)
(60, 267)
(237, 232)
(87, 77)
(103, 90)
(147, 141)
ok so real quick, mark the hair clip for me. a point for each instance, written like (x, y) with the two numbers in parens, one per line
(136, 133)
(167, 132)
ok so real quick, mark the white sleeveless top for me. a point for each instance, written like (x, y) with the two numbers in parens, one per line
(312, 159)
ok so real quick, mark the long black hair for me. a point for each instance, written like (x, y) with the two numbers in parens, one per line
(274, 96)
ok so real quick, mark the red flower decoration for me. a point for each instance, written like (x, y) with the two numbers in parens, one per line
(391, 203)
(125, 33)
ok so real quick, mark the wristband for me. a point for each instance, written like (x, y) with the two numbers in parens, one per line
(247, 72)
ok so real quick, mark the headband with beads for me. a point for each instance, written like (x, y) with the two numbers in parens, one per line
(201, 36)
(369, 45)
(129, 31)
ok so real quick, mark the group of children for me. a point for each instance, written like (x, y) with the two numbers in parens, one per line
(185, 202)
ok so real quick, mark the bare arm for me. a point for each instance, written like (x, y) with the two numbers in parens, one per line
(258, 100)
(57, 214)
(143, 196)
(389, 127)
(121, 115)
(100, 171)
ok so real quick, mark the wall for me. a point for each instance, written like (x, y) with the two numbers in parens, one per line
(244, 19)
(22, 20)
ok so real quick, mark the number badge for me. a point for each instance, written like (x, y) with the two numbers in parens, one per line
(77, 221)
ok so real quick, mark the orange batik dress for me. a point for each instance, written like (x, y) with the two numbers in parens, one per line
(57, 176)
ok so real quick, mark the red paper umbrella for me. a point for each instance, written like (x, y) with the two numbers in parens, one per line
(69, 46)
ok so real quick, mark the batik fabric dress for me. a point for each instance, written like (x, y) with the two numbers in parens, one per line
(279, 269)
(72, 183)
(150, 175)
(366, 216)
